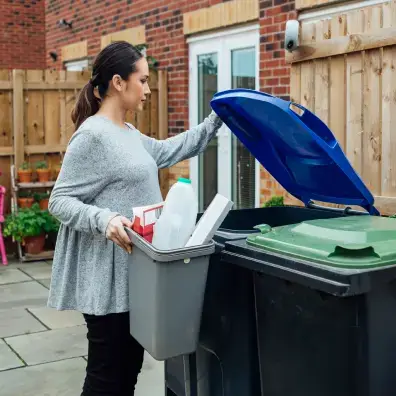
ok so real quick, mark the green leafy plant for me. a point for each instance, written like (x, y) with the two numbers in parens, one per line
(26, 222)
(275, 201)
(39, 196)
(25, 194)
(41, 165)
(25, 166)
(51, 223)
(152, 62)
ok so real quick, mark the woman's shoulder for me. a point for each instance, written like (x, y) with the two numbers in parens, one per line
(92, 129)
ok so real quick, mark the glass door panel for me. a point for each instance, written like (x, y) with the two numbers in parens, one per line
(243, 75)
(207, 87)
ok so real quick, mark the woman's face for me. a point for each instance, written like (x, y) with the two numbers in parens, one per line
(136, 89)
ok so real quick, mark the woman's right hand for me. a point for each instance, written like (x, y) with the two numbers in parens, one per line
(115, 232)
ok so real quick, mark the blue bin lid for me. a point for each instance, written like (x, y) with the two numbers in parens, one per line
(298, 150)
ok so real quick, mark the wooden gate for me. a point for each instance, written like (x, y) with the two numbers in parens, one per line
(35, 122)
(345, 72)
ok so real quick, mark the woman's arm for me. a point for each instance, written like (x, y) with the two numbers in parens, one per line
(82, 177)
(185, 145)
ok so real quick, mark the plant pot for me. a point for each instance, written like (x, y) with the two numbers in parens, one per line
(25, 202)
(25, 176)
(43, 175)
(44, 203)
(34, 244)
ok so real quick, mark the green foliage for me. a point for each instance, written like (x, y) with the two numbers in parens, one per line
(25, 194)
(51, 223)
(274, 201)
(29, 222)
(41, 165)
(25, 166)
(39, 196)
(152, 62)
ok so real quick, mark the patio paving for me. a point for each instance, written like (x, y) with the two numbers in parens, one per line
(42, 351)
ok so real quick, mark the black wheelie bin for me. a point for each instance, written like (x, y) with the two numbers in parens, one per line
(226, 361)
(325, 289)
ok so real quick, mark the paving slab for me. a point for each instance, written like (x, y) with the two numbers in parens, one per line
(64, 378)
(26, 294)
(18, 321)
(8, 359)
(151, 380)
(58, 319)
(45, 282)
(38, 271)
(13, 275)
(51, 345)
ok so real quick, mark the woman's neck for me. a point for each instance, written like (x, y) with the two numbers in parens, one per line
(113, 112)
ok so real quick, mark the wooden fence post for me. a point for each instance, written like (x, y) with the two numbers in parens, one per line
(163, 124)
(18, 117)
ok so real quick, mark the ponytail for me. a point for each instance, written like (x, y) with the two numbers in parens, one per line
(119, 57)
(87, 105)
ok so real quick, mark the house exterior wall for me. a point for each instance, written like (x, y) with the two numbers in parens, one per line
(22, 34)
(31, 31)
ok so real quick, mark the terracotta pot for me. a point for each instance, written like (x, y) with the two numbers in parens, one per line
(44, 203)
(43, 175)
(25, 202)
(25, 176)
(34, 244)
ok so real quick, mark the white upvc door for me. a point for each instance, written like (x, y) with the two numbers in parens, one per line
(219, 62)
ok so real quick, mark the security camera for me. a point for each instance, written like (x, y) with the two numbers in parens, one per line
(292, 35)
(53, 55)
(63, 22)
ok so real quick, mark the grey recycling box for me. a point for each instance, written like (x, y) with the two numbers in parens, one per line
(166, 293)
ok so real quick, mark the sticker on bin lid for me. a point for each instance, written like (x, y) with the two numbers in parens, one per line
(296, 147)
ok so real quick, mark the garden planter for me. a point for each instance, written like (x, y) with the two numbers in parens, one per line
(25, 176)
(43, 175)
(34, 244)
(25, 202)
(44, 203)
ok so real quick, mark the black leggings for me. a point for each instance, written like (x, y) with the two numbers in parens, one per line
(115, 358)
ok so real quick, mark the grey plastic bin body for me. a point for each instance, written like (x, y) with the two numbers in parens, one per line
(166, 293)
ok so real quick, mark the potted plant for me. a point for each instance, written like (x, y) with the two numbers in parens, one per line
(43, 172)
(25, 173)
(275, 201)
(28, 227)
(42, 199)
(25, 199)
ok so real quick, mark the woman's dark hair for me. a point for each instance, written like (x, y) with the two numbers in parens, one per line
(120, 58)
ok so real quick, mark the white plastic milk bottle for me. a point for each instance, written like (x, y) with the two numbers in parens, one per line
(179, 214)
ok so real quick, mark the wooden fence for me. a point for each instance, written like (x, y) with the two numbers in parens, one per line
(35, 121)
(345, 71)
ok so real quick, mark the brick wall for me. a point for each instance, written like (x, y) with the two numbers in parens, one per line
(274, 72)
(164, 36)
(22, 34)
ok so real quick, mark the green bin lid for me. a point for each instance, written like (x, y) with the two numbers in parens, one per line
(356, 242)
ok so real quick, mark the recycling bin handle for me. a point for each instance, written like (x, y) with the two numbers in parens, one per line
(263, 228)
(363, 252)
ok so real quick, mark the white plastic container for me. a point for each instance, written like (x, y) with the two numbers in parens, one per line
(179, 215)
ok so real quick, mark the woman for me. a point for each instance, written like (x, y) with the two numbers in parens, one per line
(109, 168)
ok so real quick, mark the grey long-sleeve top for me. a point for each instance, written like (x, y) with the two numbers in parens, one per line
(107, 170)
